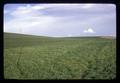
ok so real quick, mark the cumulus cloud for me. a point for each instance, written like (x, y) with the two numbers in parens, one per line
(89, 30)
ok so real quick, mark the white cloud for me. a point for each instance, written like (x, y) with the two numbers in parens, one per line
(20, 11)
(89, 30)
(29, 19)
(35, 23)
(87, 6)
(28, 24)
(28, 10)
(65, 6)
(38, 7)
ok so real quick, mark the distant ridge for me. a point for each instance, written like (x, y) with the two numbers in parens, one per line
(7, 34)
(108, 37)
(17, 35)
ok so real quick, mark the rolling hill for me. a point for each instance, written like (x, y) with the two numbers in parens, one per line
(39, 57)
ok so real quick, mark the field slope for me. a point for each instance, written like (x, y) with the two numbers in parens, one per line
(38, 57)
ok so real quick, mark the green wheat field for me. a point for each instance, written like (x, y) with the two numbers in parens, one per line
(39, 57)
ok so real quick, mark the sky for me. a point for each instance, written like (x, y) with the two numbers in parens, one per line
(61, 20)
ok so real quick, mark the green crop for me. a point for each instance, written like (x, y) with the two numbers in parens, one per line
(34, 57)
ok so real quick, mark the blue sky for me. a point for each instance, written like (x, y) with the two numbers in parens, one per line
(61, 20)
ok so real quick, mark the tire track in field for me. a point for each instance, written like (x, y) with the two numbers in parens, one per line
(18, 62)
(22, 73)
(73, 53)
(92, 68)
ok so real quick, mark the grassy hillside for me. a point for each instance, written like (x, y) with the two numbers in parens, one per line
(34, 57)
